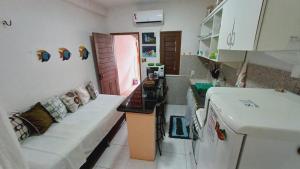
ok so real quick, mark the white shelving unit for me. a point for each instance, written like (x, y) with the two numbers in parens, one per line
(209, 39)
(209, 36)
(217, 22)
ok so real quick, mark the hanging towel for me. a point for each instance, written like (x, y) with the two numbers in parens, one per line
(191, 106)
(10, 151)
(201, 115)
(241, 80)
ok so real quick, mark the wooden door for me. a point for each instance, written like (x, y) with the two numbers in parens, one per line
(105, 62)
(170, 46)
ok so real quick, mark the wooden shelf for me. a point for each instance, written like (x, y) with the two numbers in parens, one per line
(215, 36)
(209, 38)
(206, 38)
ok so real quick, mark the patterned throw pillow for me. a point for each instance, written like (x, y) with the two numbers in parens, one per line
(56, 108)
(19, 127)
(83, 95)
(71, 100)
(92, 91)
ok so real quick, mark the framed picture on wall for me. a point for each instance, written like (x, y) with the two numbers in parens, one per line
(148, 38)
(149, 51)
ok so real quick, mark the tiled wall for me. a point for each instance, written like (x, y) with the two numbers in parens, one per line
(179, 84)
(230, 74)
(264, 77)
(192, 62)
(257, 76)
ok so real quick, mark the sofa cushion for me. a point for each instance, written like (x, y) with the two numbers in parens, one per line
(92, 91)
(38, 117)
(83, 95)
(71, 100)
(67, 144)
(19, 127)
(56, 108)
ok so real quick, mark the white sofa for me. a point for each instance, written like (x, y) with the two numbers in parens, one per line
(66, 145)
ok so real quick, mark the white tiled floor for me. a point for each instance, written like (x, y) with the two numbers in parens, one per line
(174, 151)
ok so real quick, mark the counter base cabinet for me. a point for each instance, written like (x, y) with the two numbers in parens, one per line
(141, 135)
(280, 29)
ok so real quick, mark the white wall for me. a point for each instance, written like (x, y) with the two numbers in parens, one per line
(90, 5)
(43, 24)
(179, 15)
(51, 24)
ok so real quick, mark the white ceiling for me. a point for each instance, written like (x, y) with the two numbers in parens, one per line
(111, 3)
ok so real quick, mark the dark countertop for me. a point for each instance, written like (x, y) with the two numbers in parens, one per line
(199, 97)
(143, 99)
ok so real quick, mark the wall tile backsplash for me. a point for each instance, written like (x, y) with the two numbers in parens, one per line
(257, 76)
(190, 63)
(264, 77)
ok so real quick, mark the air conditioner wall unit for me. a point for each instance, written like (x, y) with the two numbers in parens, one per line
(149, 16)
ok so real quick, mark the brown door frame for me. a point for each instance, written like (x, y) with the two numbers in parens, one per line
(139, 47)
(178, 46)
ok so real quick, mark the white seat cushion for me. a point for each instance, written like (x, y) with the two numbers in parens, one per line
(71, 141)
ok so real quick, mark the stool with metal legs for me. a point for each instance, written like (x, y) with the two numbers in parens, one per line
(159, 126)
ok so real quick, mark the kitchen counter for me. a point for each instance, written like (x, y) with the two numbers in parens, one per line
(194, 81)
(140, 110)
(199, 97)
(142, 99)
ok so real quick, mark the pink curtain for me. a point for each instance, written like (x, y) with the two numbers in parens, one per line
(127, 58)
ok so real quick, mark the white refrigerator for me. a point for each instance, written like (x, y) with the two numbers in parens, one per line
(250, 129)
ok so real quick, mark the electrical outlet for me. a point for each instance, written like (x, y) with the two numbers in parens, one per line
(296, 71)
(297, 88)
(192, 73)
(144, 60)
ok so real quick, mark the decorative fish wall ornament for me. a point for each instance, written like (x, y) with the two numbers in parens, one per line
(65, 54)
(43, 55)
(84, 53)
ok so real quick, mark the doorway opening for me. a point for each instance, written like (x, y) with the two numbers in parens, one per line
(127, 56)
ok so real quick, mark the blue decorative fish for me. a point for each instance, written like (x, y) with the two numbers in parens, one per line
(43, 55)
(84, 53)
(65, 54)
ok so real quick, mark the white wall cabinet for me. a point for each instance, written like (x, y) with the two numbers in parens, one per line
(239, 24)
(209, 39)
(250, 25)
(280, 26)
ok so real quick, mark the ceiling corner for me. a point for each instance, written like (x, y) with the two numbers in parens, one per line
(90, 5)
